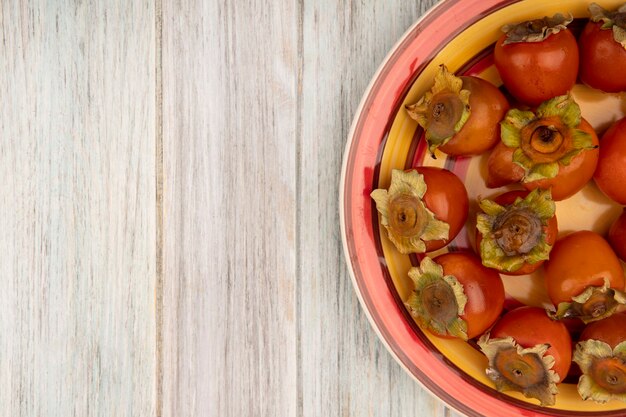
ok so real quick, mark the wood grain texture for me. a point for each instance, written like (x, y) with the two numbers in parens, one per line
(260, 317)
(169, 209)
(77, 214)
(345, 370)
(229, 130)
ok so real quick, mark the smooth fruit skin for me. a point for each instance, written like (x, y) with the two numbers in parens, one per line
(610, 175)
(579, 260)
(482, 286)
(537, 71)
(602, 59)
(501, 170)
(481, 131)
(611, 330)
(551, 230)
(617, 236)
(531, 326)
(446, 197)
(573, 177)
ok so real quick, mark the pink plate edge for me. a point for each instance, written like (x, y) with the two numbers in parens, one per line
(484, 408)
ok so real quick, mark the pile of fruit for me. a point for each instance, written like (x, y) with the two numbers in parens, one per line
(538, 139)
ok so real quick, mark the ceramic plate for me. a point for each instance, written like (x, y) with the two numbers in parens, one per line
(460, 34)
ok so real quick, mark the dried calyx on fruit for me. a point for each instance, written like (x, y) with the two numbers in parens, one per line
(438, 300)
(526, 370)
(546, 138)
(536, 30)
(604, 370)
(405, 216)
(615, 21)
(594, 303)
(443, 110)
(515, 234)
(601, 355)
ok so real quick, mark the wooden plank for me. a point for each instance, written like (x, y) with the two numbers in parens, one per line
(343, 367)
(77, 329)
(229, 137)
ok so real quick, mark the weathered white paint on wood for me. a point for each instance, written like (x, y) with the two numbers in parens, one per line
(230, 131)
(344, 368)
(77, 218)
(259, 314)
(248, 310)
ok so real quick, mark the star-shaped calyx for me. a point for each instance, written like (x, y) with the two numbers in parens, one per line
(604, 370)
(547, 138)
(515, 368)
(515, 234)
(443, 110)
(409, 223)
(438, 301)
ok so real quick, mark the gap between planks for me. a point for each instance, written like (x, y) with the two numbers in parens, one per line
(298, 156)
(158, 22)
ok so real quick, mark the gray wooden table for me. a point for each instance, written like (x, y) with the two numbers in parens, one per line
(169, 209)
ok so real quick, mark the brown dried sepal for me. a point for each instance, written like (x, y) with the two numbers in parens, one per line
(442, 111)
(403, 213)
(438, 301)
(595, 303)
(526, 370)
(604, 370)
(536, 30)
(616, 21)
(547, 138)
(514, 234)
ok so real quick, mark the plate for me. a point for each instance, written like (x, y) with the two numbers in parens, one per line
(460, 34)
